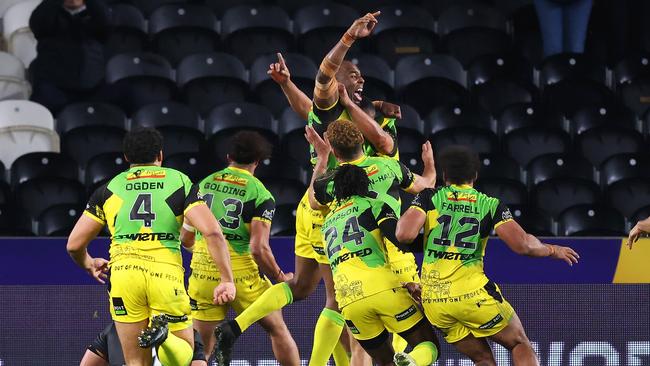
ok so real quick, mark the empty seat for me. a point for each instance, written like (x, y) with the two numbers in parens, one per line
(635, 95)
(6, 220)
(522, 115)
(128, 30)
(210, 79)
(411, 131)
(18, 36)
(320, 26)
(631, 68)
(147, 7)
(179, 30)
(426, 82)
(167, 114)
(499, 66)
(553, 166)
(641, 214)
(19, 140)
(43, 165)
(457, 116)
(12, 78)
(499, 166)
(303, 72)
(473, 30)
(413, 161)
(624, 166)
(6, 4)
(285, 192)
(377, 76)
(103, 167)
(181, 140)
(25, 113)
(224, 121)
(569, 95)
(496, 95)
(82, 115)
(82, 144)
(629, 196)
(250, 32)
(598, 144)
(6, 196)
(141, 78)
(219, 7)
(571, 66)
(292, 131)
(532, 220)
(284, 220)
(588, 220)
(525, 144)
(479, 140)
(403, 30)
(194, 165)
(614, 116)
(556, 195)
(282, 167)
(35, 196)
(510, 192)
(58, 220)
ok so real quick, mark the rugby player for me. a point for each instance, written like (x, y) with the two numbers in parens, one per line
(144, 209)
(368, 292)
(245, 209)
(457, 296)
(105, 350)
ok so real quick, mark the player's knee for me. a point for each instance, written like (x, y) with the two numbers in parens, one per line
(519, 339)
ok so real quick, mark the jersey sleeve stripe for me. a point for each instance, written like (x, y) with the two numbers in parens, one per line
(418, 208)
(193, 204)
(262, 219)
(95, 218)
(501, 223)
(330, 107)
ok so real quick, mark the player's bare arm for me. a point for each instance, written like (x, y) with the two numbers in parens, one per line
(409, 225)
(526, 244)
(188, 236)
(428, 177)
(84, 231)
(642, 228)
(203, 220)
(299, 102)
(389, 110)
(323, 150)
(262, 254)
(326, 89)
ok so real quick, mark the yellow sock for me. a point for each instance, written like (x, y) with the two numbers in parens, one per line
(275, 298)
(399, 343)
(340, 355)
(175, 351)
(424, 353)
(326, 335)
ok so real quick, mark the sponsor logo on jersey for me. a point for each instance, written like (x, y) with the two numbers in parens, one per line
(232, 237)
(118, 306)
(372, 170)
(146, 236)
(230, 178)
(347, 256)
(406, 313)
(506, 215)
(268, 214)
(439, 254)
(146, 174)
(496, 320)
(461, 197)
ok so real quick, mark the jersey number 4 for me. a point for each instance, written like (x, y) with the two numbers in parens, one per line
(141, 210)
(351, 232)
(459, 240)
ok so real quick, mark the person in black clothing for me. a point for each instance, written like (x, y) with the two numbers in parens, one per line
(69, 66)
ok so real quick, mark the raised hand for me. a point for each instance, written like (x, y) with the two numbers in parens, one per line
(639, 230)
(279, 71)
(321, 145)
(363, 26)
(390, 110)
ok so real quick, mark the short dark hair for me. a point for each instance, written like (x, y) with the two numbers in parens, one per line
(460, 164)
(350, 180)
(345, 137)
(247, 147)
(142, 145)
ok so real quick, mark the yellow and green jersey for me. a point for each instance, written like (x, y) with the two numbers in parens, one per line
(458, 222)
(236, 198)
(355, 233)
(143, 208)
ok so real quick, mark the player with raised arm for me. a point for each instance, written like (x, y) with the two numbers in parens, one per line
(369, 294)
(144, 208)
(245, 209)
(457, 296)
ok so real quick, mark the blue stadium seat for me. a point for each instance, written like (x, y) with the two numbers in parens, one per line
(571, 66)
(147, 7)
(6, 196)
(285, 192)
(178, 139)
(292, 130)
(219, 7)
(553, 166)
(103, 167)
(480, 140)
(6, 220)
(83, 115)
(378, 84)
(532, 220)
(210, 79)
(457, 116)
(624, 166)
(630, 69)
(413, 161)
(614, 116)
(284, 220)
(36, 195)
(250, 32)
(128, 30)
(510, 192)
(641, 214)
(194, 165)
(568, 96)
(167, 114)
(58, 220)
(598, 144)
(180, 30)
(282, 167)
(629, 196)
(524, 115)
(556, 195)
(496, 95)
(320, 26)
(82, 144)
(43, 165)
(527, 143)
(589, 220)
(499, 166)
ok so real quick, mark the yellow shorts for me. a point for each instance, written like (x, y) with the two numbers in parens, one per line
(248, 283)
(482, 313)
(393, 310)
(140, 289)
(406, 270)
(309, 239)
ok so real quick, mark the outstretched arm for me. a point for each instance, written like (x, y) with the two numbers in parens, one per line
(428, 177)
(526, 244)
(326, 90)
(262, 254)
(323, 150)
(409, 225)
(299, 102)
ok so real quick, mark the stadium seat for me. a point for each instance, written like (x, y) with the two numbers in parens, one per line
(523, 115)
(556, 195)
(210, 79)
(553, 166)
(615, 116)
(568, 96)
(532, 220)
(142, 78)
(641, 214)
(167, 114)
(82, 144)
(457, 116)
(18, 36)
(147, 7)
(496, 95)
(499, 66)
(377, 76)
(43, 165)
(320, 26)
(598, 144)
(103, 167)
(58, 220)
(83, 115)
(282, 167)
(250, 32)
(37, 195)
(177, 139)
(510, 192)
(631, 68)
(571, 66)
(527, 143)
(410, 135)
(219, 7)
(629, 196)
(20, 140)
(473, 30)
(12, 78)
(224, 121)
(479, 140)
(128, 30)
(285, 192)
(635, 95)
(413, 161)
(14, 113)
(436, 8)
(404, 29)
(292, 131)
(529, 44)
(180, 30)
(426, 82)
(303, 72)
(588, 220)
(6, 4)
(284, 220)
(499, 166)
(624, 166)
(194, 165)
(6, 196)
(6, 224)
